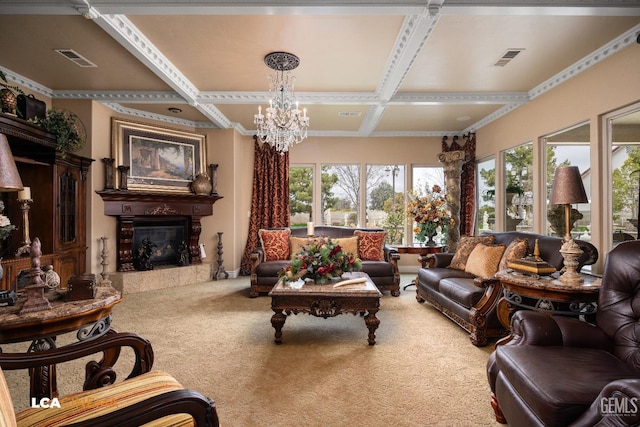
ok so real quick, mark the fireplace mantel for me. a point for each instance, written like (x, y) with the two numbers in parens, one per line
(130, 206)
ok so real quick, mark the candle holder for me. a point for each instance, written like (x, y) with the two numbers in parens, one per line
(124, 177)
(25, 247)
(108, 173)
(221, 271)
(104, 255)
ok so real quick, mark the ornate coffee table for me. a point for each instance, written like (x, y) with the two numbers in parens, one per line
(326, 301)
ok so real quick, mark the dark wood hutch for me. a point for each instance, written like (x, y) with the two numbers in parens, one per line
(57, 215)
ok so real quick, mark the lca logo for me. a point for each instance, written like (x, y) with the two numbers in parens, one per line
(45, 402)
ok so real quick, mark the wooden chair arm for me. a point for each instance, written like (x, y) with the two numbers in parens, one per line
(109, 344)
(200, 407)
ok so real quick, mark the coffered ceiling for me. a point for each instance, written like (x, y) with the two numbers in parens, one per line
(367, 68)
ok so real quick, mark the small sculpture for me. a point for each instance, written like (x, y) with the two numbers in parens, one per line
(142, 261)
(183, 254)
(51, 278)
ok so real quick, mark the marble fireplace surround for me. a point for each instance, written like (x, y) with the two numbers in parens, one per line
(130, 207)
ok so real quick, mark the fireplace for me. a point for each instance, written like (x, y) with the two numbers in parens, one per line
(166, 219)
(167, 236)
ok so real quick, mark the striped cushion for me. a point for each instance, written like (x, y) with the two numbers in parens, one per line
(93, 403)
(7, 416)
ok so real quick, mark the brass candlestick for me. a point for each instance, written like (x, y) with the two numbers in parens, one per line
(25, 247)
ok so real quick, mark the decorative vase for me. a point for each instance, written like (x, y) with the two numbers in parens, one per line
(9, 101)
(202, 185)
(430, 241)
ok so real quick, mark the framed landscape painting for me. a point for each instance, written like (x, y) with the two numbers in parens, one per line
(159, 159)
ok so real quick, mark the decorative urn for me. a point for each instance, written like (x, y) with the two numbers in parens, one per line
(202, 185)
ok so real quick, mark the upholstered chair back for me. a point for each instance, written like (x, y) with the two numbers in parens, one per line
(618, 312)
(7, 414)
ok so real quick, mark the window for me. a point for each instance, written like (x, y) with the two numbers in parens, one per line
(300, 195)
(518, 188)
(340, 195)
(625, 174)
(486, 195)
(386, 200)
(570, 147)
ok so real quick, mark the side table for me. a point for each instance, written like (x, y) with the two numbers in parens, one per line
(91, 318)
(420, 251)
(546, 294)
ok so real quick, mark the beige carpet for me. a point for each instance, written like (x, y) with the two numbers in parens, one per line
(423, 371)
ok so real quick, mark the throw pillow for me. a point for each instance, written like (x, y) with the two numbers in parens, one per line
(349, 245)
(370, 245)
(484, 260)
(275, 244)
(517, 249)
(297, 243)
(465, 246)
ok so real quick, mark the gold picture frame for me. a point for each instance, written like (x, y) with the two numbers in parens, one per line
(159, 159)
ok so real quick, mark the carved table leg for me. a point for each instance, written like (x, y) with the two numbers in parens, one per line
(504, 310)
(43, 379)
(277, 320)
(372, 323)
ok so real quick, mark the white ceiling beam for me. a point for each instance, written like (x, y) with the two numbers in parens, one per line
(124, 32)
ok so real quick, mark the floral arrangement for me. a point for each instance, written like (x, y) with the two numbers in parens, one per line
(5, 224)
(430, 213)
(321, 261)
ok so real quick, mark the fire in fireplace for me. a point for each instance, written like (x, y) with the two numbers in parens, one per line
(166, 236)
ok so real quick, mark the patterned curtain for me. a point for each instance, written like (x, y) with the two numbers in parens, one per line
(467, 181)
(270, 199)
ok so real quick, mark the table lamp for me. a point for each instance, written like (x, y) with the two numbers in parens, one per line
(9, 177)
(567, 188)
(9, 182)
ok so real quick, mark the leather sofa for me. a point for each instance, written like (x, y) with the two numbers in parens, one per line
(471, 301)
(384, 273)
(561, 371)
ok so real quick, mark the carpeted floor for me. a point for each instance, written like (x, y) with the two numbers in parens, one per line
(423, 371)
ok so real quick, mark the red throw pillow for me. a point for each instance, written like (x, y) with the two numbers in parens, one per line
(370, 245)
(275, 244)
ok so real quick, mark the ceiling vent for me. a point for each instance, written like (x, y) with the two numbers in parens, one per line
(507, 57)
(75, 57)
(349, 113)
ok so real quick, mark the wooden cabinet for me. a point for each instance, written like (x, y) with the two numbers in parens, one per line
(57, 215)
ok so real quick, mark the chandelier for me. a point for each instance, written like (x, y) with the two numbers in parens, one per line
(283, 123)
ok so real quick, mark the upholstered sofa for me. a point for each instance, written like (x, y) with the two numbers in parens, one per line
(452, 285)
(267, 262)
(561, 371)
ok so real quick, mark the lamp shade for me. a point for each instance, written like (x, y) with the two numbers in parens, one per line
(9, 176)
(567, 187)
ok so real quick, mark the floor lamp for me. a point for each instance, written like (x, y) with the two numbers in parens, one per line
(567, 188)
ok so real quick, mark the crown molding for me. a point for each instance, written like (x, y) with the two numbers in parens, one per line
(150, 97)
(417, 98)
(614, 46)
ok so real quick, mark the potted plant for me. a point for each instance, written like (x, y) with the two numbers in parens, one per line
(69, 130)
(8, 99)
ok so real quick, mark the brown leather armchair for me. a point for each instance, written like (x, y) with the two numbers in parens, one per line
(144, 396)
(559, 371)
